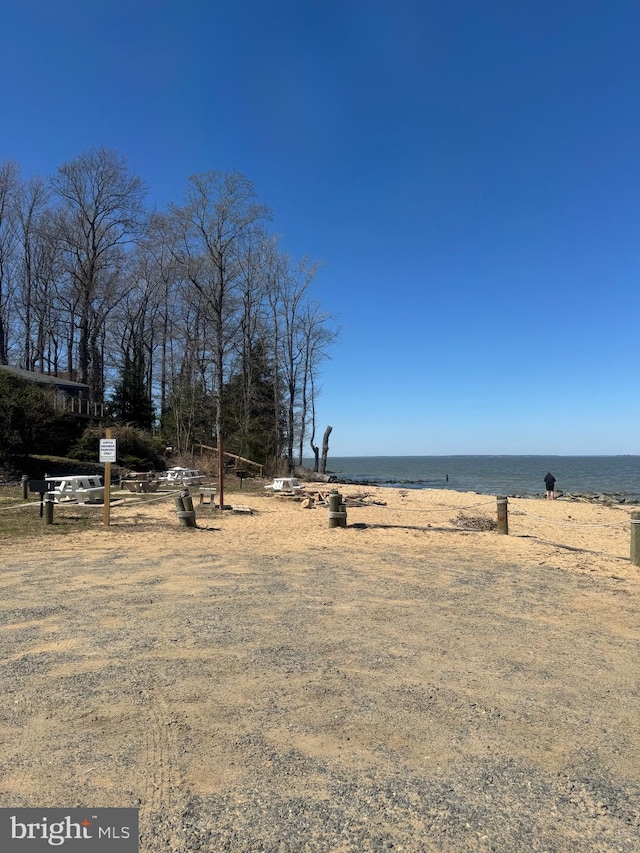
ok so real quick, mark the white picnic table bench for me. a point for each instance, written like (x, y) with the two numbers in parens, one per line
(82, 488)
(207, 495)
(285, 484)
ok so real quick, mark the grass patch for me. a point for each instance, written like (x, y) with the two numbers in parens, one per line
(18, 521)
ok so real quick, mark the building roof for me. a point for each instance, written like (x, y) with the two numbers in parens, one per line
(45, 379)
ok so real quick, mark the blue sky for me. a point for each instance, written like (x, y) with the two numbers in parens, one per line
(467, 172)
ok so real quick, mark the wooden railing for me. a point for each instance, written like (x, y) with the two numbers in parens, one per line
(233, 456)
(78, 406)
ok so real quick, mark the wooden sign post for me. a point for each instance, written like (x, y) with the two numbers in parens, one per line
(107, 455)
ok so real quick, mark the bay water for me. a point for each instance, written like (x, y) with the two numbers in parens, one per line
(509, 475)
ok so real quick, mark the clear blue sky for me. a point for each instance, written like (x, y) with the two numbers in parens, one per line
(468, 173)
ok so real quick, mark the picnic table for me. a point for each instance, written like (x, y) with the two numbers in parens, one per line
(141, 481)
(286, 485)
(82, 488)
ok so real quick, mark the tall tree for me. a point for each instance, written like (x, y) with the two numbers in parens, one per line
(318, 335)
(293, 342)
(99, 214)
(9, 186)
(130, 403)
(218, 220)
(32, 268)
(160, 247)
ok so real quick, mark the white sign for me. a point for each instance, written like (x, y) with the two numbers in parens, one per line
(107, 449)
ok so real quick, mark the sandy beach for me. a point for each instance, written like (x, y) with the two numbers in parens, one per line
(264, 682)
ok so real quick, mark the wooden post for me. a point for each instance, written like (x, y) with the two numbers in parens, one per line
(503, 517)
(220, 473)
(25, 487)
(106, 518)
(635, 538)
(186, 513)
(48, 509)
(337, 510)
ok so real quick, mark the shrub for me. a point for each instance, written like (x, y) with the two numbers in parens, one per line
(26, 417)
(136, 449)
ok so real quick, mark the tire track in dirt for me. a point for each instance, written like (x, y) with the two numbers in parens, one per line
(162, 798)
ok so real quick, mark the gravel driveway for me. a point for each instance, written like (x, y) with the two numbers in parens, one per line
(339, 698)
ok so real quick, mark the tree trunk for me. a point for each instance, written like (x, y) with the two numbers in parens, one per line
(325, 449)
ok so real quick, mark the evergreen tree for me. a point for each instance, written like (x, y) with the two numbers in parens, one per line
(27, 418)
(250, 424)
(130, 403)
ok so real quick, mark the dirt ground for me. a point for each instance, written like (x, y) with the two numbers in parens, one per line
(265, 683)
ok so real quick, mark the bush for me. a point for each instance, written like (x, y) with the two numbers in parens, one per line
(136, 449)
(27, 418)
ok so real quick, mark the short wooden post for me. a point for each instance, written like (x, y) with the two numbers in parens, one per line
(335, 499)
(48, 509)
(184, 506)
(25, 487)
(503, 517)
(635, 538)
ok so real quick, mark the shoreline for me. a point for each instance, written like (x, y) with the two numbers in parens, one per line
(423, 485)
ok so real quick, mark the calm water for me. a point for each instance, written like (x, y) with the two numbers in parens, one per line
(495, 474)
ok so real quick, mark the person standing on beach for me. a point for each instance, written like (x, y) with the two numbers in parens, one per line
(549, 482)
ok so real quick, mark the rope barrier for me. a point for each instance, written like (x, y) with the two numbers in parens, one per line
(132, 503)
(19, 506)
(567, 523)
(421, 511)
(513, 512)
(65, 504)
(574, 548)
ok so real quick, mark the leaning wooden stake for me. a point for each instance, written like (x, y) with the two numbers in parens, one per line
(635, 538)
(503, 518)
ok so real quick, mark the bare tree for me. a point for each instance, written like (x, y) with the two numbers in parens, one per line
(99, 215)
(293, 344)
(9, 186)
(196, 304)
(325, 449)
(160, 243)
(217, 223)
(318, 335)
